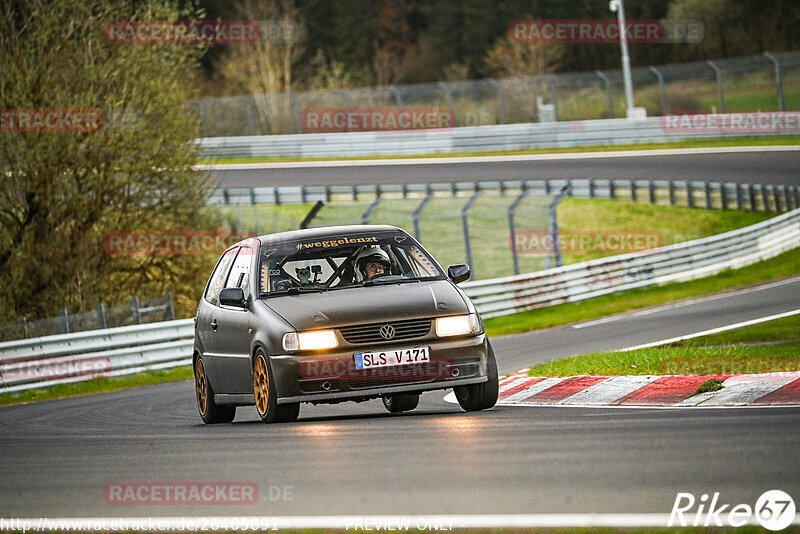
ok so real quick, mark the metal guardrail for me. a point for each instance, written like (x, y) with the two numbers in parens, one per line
(708, 195)
(678, 262)
(502, 137)
(45, 361)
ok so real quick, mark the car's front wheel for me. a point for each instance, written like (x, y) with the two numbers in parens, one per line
(266, 397)
(481, 396)
(401, 402)
(210, 411)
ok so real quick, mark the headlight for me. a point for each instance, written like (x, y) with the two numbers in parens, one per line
(457, 325)
(315, 340)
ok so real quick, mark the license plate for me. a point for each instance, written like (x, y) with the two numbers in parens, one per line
(386, 358)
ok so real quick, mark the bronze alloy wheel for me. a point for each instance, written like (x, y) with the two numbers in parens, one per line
(201, 387)
(261, 384)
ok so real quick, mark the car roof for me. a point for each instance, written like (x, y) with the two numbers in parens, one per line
(326, 231)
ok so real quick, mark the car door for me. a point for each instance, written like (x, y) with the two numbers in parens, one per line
(233, 337)
(206, 312)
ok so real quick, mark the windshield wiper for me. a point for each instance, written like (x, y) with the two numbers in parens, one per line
(294, 290)
(381, 281)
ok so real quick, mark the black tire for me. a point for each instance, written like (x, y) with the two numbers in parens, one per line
(210, 412)
(401, 402)
(481, 396)
(265, 395)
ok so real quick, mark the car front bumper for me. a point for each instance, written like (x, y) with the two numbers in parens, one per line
(331, 376)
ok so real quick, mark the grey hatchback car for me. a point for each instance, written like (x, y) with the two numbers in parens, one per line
(325, 315)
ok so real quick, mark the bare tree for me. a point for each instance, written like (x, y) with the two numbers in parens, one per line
(508, 58)
(265, 68)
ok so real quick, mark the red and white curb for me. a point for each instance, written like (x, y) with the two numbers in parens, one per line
(769, 389)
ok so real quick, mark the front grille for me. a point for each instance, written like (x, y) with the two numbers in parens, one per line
(393, 376)
(370, 333)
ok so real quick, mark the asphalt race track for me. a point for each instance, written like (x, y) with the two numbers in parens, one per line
(57, 457)
(762, 165)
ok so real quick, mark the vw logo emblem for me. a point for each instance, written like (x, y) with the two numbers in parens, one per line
(387, 331)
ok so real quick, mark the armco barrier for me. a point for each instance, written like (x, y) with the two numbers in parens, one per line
(45, 361)
(500, 137)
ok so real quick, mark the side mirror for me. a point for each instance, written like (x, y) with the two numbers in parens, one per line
(232, 296)
(458, 273)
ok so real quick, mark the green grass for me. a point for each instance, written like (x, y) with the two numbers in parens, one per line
(689, 143)
(667, 224)
(785, 265)
(96, 385)
(773, 346)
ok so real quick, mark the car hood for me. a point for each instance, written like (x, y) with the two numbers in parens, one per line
(361, 305)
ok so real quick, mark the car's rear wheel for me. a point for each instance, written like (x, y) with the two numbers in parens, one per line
(210, 411)
(266, 398)
(401, 402)
(481, 396)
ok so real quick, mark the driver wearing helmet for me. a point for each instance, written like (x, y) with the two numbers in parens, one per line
(371, 262)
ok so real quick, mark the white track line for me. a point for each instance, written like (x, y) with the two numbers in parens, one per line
(609, 390)
(742, 390)
(534, 389)
(492, 159)
(712, 331)
(683, 303)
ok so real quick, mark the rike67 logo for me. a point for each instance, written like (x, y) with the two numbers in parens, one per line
(774, 510)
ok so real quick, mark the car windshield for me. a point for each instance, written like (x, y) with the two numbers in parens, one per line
(344, 260)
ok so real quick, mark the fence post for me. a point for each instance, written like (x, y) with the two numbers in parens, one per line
(591, 187)
(398, 99)
(777, 198)
(633, 190)
(787, 199)
(778, 80)
(652, 186)
(465, 225)
(739, 199)
(720, 85)
(689, 194)
(101, 315)
(752, 193)
(298, 112)
(23, 326)
(723, 192)
(671, 193)
(661, 90)
(64, 321)
(418, 213)
(251, 121)
(311, 214)
(371, 209)
(501, 103)
(709, 203)
(609, 96)
(551, 84)
(448, 95)
(765, 197)
(169, 312)
(612, 188)
(135, 309)
(512, 229)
